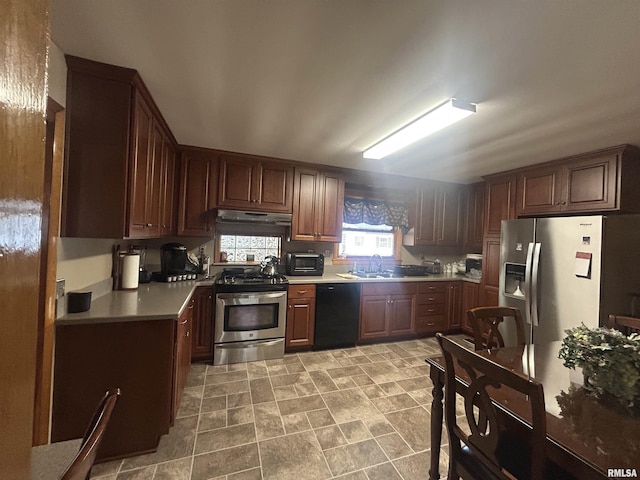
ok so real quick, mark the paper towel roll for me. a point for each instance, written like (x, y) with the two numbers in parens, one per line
(130, 271)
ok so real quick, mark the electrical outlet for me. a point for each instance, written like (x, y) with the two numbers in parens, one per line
(60, 284)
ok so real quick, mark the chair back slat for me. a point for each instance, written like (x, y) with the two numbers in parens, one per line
(487, 436)
(626, 325)
(80, 467)
(485, 322)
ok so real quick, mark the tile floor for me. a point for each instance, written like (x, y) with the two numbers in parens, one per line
(358, 413)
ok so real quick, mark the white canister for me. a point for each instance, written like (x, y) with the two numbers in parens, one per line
(130, 271)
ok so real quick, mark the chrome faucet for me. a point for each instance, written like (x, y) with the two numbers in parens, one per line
(378, 260)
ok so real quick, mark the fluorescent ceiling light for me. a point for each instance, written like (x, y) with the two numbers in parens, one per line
(443, 116)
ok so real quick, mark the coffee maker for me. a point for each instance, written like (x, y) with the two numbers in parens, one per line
(173, 264)
(173, 258)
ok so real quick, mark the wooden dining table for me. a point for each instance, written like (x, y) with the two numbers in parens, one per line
(586, 437)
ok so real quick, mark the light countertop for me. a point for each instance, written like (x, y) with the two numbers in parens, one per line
(335, 278)
(150, 301)
(161, 301)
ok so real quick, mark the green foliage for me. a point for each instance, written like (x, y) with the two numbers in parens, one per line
(609, 360)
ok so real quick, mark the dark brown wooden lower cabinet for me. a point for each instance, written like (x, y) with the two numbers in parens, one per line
(182, 357)
(137, 357)
(301, 315)
(387, 310)
(469, 300)
(454, 305)
(431, 311)
(202, 330)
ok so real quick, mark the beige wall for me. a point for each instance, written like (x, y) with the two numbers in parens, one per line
(57, 74)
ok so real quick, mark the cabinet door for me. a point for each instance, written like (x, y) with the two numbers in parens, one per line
(427, 218)
(237, 186)
(330, 206)
(491, 262)
(141, 169)
(155, 183)
(469, 301)
(540, 190)
(373, 317)
(402, 310)
(169, 190)
(303, 224)
(202, 330)
(301, 316)
(474, 218)
(449, 211)
(182, 359)
(198, 189)
(500, 203)
(275, 187)
(591, 184)
(490, 272)
(454, 305)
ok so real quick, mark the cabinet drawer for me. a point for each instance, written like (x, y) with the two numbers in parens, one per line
(431, 324)
(388, 288)
(430, 299)
(307, 290)
(425, 310)
(432, 287)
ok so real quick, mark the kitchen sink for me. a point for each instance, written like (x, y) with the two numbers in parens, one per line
(375, 275)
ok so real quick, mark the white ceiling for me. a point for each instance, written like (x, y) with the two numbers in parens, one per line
(321, 80)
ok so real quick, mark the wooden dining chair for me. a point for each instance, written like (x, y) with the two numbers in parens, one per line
(484, 446)
(485, 322)
(80, 466)
(626, 325)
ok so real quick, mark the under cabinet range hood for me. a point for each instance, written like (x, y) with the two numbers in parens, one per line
(260, 218)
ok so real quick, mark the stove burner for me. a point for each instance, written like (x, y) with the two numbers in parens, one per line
(240, 276)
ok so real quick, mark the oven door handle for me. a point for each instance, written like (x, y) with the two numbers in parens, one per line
(249, 344)
(231, 296)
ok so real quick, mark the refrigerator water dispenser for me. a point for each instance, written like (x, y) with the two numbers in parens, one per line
(514, 274)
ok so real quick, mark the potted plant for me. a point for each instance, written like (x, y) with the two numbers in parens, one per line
(610, 362)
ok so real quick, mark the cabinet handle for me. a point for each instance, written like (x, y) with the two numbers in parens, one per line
(430, 324)
(564, 203)
(302, 292)
(431, 299)
(431, 310)
(209, 297)
(187, 334)
(149, 225)
(557, 203)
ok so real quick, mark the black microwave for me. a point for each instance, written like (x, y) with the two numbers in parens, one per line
(304, 264)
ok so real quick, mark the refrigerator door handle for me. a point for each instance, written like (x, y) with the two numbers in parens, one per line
(534, 284)
(527, 283)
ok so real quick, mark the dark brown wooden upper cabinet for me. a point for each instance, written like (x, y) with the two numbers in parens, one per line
(500, 203)
(438, 216)
(198, 192)
(318, 206)
(169, 190)
(115, 142)
(474, 215)
(252, 183)
(594, 182)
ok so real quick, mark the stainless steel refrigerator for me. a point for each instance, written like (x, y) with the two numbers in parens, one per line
(562, 271)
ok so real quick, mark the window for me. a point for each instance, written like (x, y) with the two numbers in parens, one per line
(237, 247)
(364, 240)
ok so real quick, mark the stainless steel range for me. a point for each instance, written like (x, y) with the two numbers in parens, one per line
(251, 312)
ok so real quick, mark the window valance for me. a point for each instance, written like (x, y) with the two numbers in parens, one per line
(376, 212)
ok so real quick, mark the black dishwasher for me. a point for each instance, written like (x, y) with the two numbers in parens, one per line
(337, 315)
